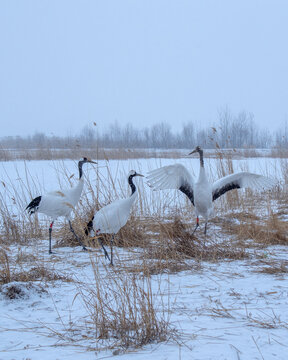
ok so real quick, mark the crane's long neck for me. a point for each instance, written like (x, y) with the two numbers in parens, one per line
(80, 164)
(132, 185)
(202, 174)
(201, 158)
(76, 191)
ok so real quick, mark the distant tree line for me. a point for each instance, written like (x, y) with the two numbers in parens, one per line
(229, 131)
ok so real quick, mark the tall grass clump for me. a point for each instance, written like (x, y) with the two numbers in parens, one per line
(124, 311)
(151, 223)
(5, 272)
(15, 224)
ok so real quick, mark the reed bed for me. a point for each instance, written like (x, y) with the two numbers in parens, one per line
(122, 309)
(155, 219)
(121, 153)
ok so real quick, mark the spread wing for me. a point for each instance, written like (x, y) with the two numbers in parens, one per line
(241, 180)
(172, 177)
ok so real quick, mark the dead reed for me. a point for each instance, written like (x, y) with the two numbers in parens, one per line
(76, 152)
(162, 229)
(123, 310)
(269, 231)
(25, 268)
(122, 153)
(176, 242)
(5, 273)
(273, 268)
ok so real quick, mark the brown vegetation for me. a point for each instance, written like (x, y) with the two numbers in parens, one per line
(123, 310)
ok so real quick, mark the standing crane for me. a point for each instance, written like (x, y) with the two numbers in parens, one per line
(202, 193)
(112, 217)
(60, 203)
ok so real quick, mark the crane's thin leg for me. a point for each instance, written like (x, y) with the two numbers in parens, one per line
(101, 243)
(111, 246)
(205, 230)
(105, 251)
(78, 239)
(197, 224)
(50, 235)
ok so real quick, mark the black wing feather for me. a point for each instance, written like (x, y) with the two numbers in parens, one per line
(33, 206)
(186, 189)
(89, 227)
(224, 189)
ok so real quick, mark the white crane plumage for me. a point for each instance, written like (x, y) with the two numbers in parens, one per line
(112, 217)
(60, 203)
(202, 193)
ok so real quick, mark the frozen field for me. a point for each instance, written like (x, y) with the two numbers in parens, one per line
(221, 309)
(32, 178)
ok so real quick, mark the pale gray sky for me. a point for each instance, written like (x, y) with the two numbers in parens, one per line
(65, 63)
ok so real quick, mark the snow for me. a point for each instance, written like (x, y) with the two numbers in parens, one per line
(29, 179)
(221, 310)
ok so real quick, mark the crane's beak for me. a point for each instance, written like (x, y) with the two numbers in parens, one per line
(192, 152)
(86, 159)
(139, 175)
(91, 161)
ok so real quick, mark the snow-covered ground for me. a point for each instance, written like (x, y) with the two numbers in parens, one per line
(225, 310)
(221, 310)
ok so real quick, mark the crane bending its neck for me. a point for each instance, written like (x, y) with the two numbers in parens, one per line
(132, 185)
(130, 180)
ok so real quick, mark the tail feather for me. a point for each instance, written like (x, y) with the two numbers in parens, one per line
(89, 226)
(34, 205)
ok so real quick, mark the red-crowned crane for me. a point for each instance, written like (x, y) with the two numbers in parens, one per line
(112, 217)
(60, 203)
(202, 193)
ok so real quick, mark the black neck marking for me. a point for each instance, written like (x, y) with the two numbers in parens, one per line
(80, 164)
(130, 181)
(201, 157)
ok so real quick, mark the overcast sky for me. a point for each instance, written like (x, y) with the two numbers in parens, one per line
(65, 64)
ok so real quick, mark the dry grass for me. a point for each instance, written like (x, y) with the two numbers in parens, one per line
(174, 241)
(270, 231)
(149, 266)
(12, 269)
(166, 241)
(132, 235)
(16, 225)
(5, 273)
(272, 267)
(39, 273)
(121, 153)
(76, 153)
(18, 290)
(123, 310)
